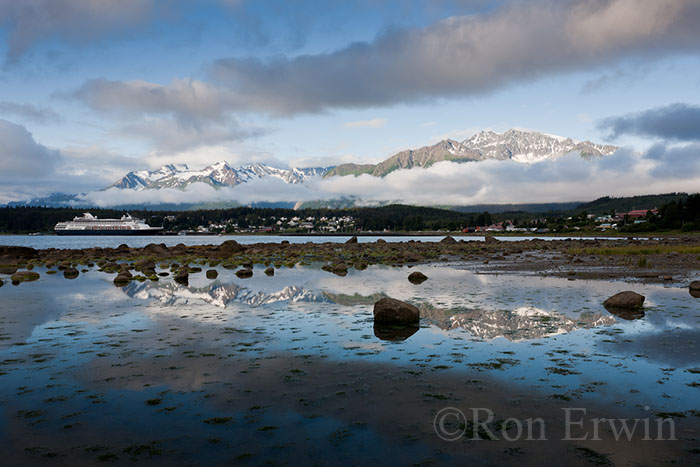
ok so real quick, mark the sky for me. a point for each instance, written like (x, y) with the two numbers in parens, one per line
(93, 89)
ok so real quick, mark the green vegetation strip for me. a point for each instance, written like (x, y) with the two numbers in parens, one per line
(637, 250)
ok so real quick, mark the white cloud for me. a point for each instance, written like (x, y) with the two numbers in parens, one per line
(21, 157)
(465, 55)
(373, 123)
(568, 178)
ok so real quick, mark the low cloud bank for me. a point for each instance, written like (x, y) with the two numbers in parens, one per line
(569, 178)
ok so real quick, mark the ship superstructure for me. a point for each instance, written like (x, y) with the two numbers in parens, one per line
(91, 225)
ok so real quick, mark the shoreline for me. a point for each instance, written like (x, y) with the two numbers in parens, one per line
(661, 260)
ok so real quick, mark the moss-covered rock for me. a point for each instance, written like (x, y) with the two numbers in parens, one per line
(70, 273)
(24, 276)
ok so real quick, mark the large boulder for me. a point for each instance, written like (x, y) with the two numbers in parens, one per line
(351, 240)
(417, 277)
(448, 241)
(491, 239)
(392, 311)
(627, 300)
(8, 270)
(270, 271)
(212, 274)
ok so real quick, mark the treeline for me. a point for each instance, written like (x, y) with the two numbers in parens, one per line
(609, 204)
(26, 219)
(683, 214)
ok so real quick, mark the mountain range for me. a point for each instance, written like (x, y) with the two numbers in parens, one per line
(521, 146)
(218, 175)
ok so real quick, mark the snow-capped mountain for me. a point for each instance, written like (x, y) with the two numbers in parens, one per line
(218, 175)
(529, 146)
(522, 146)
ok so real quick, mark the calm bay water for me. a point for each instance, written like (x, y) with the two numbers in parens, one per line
(290, 369)
(77, 242)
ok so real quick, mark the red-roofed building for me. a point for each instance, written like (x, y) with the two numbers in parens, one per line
(637, 213)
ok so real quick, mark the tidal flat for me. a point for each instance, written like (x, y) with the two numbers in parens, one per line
(287, 366)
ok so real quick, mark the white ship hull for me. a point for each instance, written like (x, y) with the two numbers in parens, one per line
(90, 225)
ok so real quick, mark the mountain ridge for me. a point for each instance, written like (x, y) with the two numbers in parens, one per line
(217, 175)
(523, 146)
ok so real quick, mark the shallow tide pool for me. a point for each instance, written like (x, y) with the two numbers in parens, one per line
(290, 368)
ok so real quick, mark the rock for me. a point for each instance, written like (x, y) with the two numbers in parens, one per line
(694, 289)
(417, 277)
(8, 270)
(156, 249)
(244, 273)
(1, 283)
(448, 241)
(339, 269)
(70, 273)
(413, 258)
(17, 252)
(491, 239)
(624, 301)
(144, 264)
(212, 274)
(182, 276)
(270, 271)
(230, 246)
(24, 276)
(122, 279)
(392, 311)
(381, 240)
(352, 239)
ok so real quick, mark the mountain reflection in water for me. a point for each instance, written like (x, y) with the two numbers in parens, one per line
(521, 323)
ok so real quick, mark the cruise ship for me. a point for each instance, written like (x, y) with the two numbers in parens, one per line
(91, 225)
